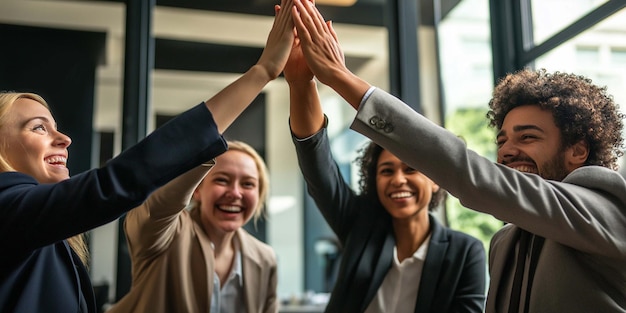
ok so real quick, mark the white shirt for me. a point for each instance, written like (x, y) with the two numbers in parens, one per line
(398, 292)
(229, 298)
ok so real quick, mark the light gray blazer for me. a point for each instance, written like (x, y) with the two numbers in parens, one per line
(582, 266)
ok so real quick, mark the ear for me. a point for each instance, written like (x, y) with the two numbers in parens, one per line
(196, 193)
(577, 154)
(435, 187)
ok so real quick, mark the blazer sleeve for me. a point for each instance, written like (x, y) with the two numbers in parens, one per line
(33, 215)
(151, 226)
(584, 211)
(332, 195)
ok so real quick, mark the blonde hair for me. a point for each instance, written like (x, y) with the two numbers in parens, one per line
(264, 180)
(7, 100)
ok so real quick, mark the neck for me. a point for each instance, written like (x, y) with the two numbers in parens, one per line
(410, 235)
(222, 241)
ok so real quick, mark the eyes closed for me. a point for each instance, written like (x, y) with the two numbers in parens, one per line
(223, 180)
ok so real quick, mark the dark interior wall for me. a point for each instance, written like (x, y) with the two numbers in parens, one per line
(60, 66)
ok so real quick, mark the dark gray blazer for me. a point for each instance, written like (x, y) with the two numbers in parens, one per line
(454, 272)
(38, 270)
(582, 265)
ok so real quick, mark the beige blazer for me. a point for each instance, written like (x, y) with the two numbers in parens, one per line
(172, 258)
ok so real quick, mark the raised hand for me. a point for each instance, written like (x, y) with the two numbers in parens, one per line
(279, 41)
(318, 42)
(297, 71)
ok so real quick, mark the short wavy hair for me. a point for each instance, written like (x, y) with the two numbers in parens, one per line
(581, 110)
(367, 162)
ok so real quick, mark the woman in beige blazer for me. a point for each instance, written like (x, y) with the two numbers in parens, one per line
(201, 260)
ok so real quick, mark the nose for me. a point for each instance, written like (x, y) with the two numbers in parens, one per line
(507, 151)
(62, 140)
(234, 192)
(398, 178)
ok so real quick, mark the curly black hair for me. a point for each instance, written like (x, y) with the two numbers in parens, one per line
(581, 110)
(367, 161)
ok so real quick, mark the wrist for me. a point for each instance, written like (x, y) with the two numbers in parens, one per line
(301, 83)
(262, 72)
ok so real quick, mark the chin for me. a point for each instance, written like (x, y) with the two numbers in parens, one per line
(231, 227)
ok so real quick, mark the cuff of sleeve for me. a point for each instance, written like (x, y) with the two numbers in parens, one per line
(367, 95)
(309, 137)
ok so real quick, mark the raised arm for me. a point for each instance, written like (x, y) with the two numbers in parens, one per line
(227, 104)
(320, 46)
(306, 116)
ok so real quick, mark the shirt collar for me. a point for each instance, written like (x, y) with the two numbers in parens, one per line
(418, 255)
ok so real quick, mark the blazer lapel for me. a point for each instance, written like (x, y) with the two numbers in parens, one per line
(383, 263)
(251, 270)
(205, 245)
(505, 240)
(432, 267)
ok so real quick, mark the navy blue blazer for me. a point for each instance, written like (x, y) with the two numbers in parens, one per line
(38, 270)
(454, 273)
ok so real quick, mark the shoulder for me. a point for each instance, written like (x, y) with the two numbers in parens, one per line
(8, 179)
(459, 238)
(592, 176)
(456, 240)
(441, 232)
(594, 173)
(599, 178)
(255, 248)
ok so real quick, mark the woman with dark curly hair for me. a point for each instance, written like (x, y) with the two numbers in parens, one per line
(396, 256)
(559, 137)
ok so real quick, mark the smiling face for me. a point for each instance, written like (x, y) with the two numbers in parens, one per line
(31, 143)
(403, 191)
(530, 141)
(229, 194)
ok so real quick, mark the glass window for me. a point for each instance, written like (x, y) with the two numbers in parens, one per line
(618, 56)
(467, 81)
(598, 53)
(550, 16)
(587, 55)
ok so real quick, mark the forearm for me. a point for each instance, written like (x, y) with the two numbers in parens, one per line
(306, 115)
(150, 226)
(350, 87)
(176, 195)
(228, 104)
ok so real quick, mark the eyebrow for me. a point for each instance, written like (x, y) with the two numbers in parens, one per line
(389, 163)
(519, 128)
(43, 118)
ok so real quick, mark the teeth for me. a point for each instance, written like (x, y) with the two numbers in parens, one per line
(526, 169)
(234, 209)
(403, 194)
(56, 160)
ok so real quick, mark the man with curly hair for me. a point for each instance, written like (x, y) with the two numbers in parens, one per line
(555, 184)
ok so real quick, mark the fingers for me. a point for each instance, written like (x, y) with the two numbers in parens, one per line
(329, 24)
(301, 28)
